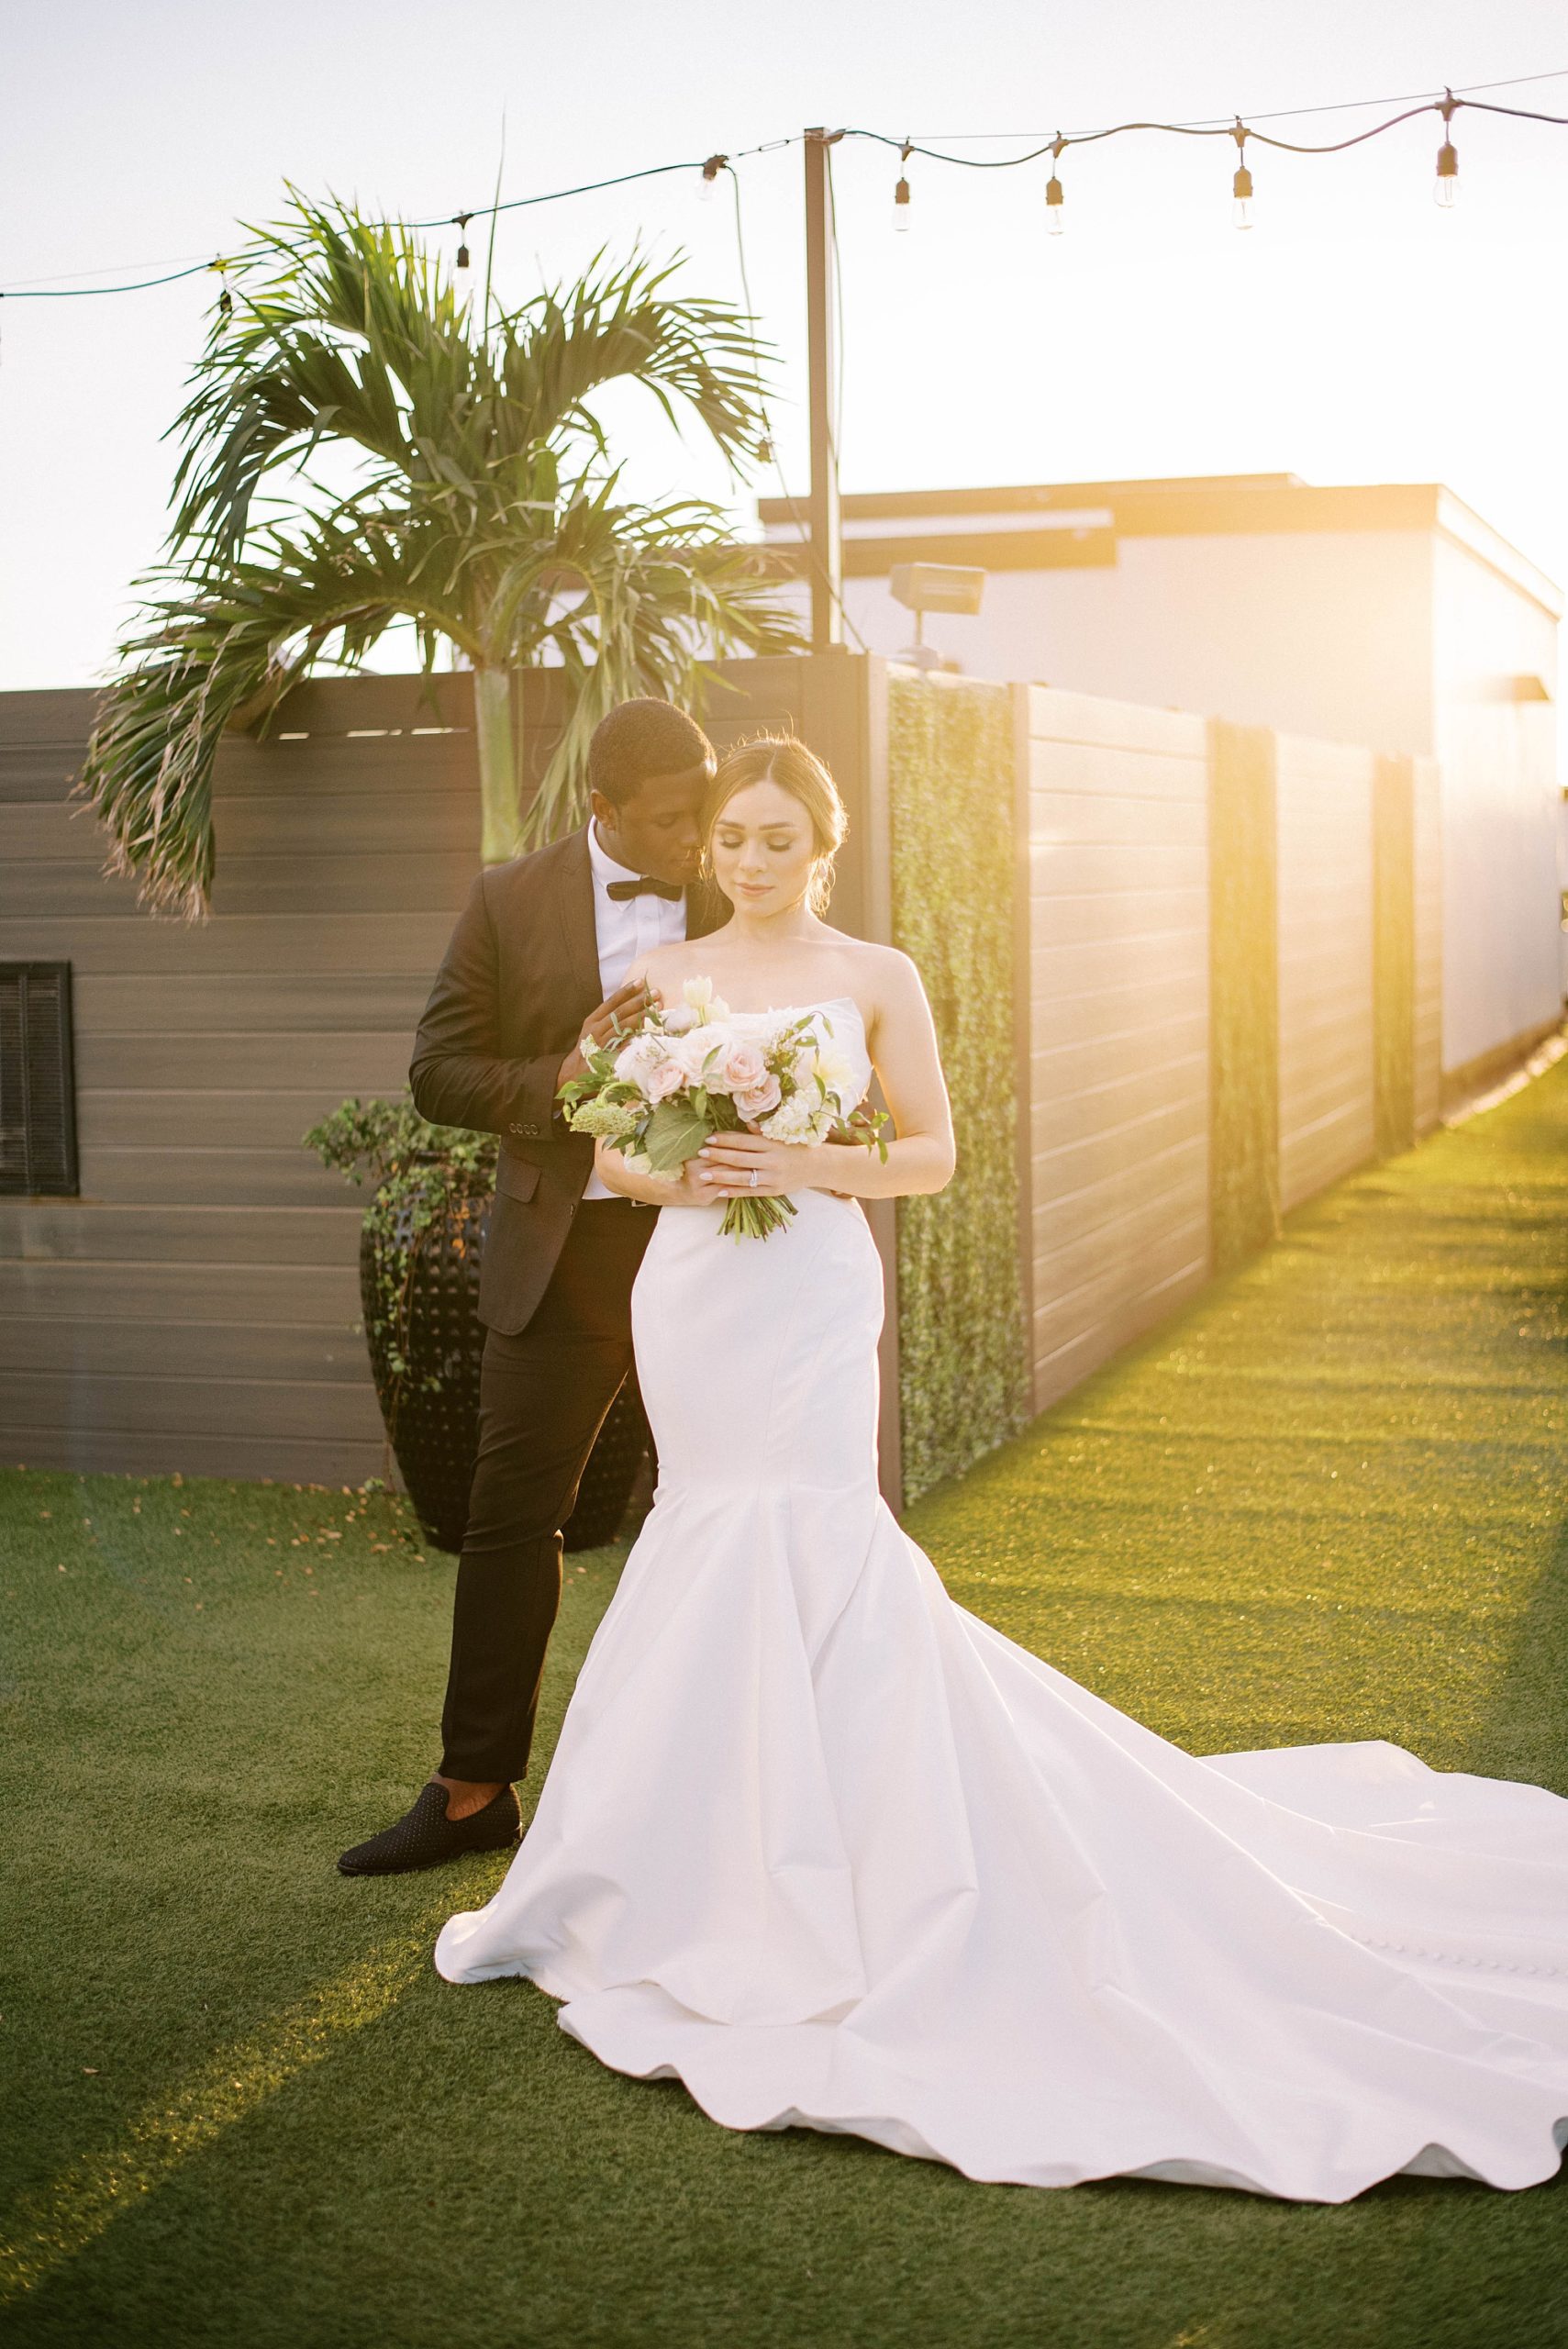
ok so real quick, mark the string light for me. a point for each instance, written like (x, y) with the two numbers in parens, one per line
(1242, 185)
(225, 298)
(460, 222)
(901, 192)
(710, 171)
(1445, 187)
(1054, 223)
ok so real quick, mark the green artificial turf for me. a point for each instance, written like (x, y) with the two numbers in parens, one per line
(1326, 1503)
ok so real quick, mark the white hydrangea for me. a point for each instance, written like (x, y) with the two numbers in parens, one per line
(800, 1119)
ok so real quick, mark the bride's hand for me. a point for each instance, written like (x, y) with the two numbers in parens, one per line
(728, 1160)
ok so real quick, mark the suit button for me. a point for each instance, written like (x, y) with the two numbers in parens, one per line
(513, 1129)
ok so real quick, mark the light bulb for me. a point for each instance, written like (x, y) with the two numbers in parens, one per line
(709, 181)
(1241, 192)
(901, 207)
(1445, 187)
(1054, 207)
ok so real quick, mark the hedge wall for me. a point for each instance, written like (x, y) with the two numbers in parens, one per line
(963, 1366)
(1243, 992)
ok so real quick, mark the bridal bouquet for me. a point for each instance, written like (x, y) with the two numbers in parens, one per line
(697, 1069)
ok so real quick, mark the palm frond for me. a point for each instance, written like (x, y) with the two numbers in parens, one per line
(358, 448)
(209, 655)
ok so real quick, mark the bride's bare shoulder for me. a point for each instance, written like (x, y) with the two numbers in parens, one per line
(882, 978)
(664, 967)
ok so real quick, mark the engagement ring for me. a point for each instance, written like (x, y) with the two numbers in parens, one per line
(753, 1179)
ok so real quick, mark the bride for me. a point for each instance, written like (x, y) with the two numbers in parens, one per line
(836, 1855)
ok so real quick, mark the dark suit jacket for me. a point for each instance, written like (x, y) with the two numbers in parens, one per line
(519, 978)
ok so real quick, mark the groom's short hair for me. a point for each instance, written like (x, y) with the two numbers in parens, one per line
(640, 739)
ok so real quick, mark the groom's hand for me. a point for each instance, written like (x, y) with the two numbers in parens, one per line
(619, 1011)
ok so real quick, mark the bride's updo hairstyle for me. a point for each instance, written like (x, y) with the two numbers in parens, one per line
(780, 759)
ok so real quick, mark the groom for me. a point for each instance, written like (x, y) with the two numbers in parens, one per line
(537, 961)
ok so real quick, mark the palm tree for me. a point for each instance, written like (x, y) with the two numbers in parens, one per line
(445, 468)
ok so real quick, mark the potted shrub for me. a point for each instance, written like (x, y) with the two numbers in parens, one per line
(421, 1246)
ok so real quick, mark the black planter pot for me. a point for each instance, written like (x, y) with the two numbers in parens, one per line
(431, 1405)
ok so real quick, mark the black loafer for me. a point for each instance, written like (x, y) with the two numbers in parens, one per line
(425, 1836)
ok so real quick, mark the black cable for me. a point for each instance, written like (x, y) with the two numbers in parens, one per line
(73, 293)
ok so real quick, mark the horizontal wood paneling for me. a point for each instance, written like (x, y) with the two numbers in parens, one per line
(248, 946)
(238, 1296)
(88, 1449)
(210, 1119)
(1119, 1033)
(77, 1231)
(341, 1063)
(326, 1410)
(284, 1178)
(1325, 883)
(202, 1349)
(208, 1005)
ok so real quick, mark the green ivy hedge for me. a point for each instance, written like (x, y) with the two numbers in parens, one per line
(963, 1366)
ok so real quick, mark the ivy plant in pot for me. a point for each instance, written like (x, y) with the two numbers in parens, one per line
(421, 1246)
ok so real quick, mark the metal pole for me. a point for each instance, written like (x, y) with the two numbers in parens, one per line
(824, 547)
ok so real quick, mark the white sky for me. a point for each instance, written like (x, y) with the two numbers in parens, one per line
(1357, 333)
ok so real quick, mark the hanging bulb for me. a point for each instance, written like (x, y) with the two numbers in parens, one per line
(464, 261)
(1242, 185)
(901, 194)
(765, 449)
(225, 299)
(1445, 187)
(709, 181)
(1241, 196)
(1055, 220)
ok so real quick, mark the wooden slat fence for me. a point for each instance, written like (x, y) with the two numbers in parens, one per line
(1115, 827)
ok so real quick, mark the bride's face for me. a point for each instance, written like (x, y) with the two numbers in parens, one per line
(763, 850)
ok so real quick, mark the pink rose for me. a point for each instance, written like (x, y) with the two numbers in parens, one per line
(759, 1098)
(660, 1081)
(743, 1067)
(691, 1053)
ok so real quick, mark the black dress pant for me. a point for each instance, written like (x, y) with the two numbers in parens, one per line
(542, 1399)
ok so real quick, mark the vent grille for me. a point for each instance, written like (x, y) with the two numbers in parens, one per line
(37, 1080)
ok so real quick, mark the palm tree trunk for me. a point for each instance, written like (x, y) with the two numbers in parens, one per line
(497, 763)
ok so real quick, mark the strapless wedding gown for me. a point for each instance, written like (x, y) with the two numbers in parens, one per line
(833, 1852)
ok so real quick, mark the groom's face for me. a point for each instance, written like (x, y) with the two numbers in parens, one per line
(657, 831)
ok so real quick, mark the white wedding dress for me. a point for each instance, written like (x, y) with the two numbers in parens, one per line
(836, 1855)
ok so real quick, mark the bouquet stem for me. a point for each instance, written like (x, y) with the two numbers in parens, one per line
(754, 1218)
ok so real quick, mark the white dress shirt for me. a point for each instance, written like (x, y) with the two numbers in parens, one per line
(625, 929)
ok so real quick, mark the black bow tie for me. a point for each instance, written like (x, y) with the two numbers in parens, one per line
(645, 887)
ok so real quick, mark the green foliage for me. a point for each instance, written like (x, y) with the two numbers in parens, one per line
(1394, 954)
(426, 1176)
(1243, 992)
(963, 1366)
(362, 448)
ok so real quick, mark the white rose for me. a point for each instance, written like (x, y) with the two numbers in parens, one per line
(677, 1019)
(637, 1062)
(834, 1070)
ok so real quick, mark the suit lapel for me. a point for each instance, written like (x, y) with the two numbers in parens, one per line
(574, 905)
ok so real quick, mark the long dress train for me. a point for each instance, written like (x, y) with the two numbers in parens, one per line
(835, 1854)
